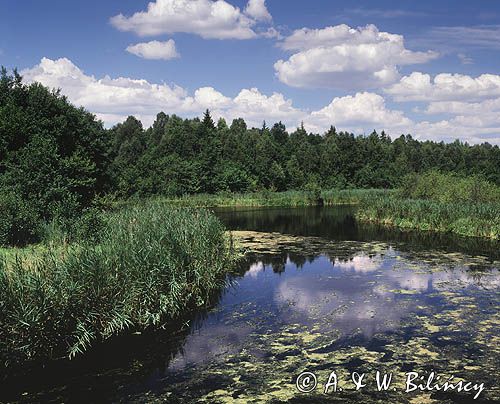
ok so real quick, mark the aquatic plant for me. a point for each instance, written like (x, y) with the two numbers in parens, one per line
(281, 199)
(153, 264)
(465, 219)
(449, 188)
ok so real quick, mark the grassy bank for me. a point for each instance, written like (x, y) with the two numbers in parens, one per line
(434, 201)
(478, 220)
(281, 199)
(153, 264)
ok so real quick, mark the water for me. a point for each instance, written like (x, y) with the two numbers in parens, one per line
(320, 294)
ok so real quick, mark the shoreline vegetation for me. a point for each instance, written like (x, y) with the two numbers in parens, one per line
(439, 202)
(153, 265)
(311, 197)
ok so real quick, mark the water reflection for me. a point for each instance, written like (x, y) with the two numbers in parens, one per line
(329, 302)
(338, 223)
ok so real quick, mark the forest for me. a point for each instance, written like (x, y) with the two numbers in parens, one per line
(59, 164)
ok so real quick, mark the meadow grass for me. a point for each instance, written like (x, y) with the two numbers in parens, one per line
(153, 265)
(464, 219)
(278, 199)
(435, 201)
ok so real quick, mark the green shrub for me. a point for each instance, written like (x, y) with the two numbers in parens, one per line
(449, 188)
(19, 222)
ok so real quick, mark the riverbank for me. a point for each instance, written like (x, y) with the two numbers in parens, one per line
(159, 259)
(456, 214)
(469, 220)
(440, 202)
(152, 265)
(328, 197)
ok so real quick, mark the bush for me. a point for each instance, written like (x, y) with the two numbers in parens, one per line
(19, 222)
(449, 188)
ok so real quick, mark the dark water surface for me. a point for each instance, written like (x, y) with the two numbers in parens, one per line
(342, 297)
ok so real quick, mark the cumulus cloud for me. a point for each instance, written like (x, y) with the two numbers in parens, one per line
(473, 128)
(344, 57)
(207, 18)
(155, 50)
(360, 113)
(113, 99)
(474, 122)
(445, 86)
(471, 105)
(256, 107)
(257, 9)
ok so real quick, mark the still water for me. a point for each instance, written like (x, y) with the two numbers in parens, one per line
(316, 292)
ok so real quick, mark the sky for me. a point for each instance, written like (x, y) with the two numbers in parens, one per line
(428, 68)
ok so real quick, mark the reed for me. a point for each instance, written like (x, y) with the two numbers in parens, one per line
(153, 264)
(279, 199)
(464, 219)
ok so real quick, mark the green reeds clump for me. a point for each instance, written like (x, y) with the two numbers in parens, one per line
(464, 219)
(153, 264)
(281, 199)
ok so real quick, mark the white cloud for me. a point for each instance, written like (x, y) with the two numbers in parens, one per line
(257, 107)
(257, 9)
(460, 37)
(112, 100)
(464, 108)
(465, 60)
(343, 57)
(473, 121)
(360, 113)
(207, 18)
(306, 38)
(155, 50)
(445, 86)
(473, 131)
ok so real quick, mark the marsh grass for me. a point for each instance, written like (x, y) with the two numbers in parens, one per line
(435, 201)
(281, 199)
(464, 219)
(153, 264)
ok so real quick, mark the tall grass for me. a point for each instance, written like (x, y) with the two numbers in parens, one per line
(449, 188)
(439, 202)
(281, 199)
(153, 264)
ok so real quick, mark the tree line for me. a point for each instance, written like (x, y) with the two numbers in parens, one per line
(56, 158)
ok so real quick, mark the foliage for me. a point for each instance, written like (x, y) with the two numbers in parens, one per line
(57, 159)
(152, 265)
(178, 156)
(283, 199)
(19, 222)
(440, 202)
(52, 155)
(449, 188)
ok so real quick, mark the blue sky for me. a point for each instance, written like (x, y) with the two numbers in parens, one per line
(430, 68)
